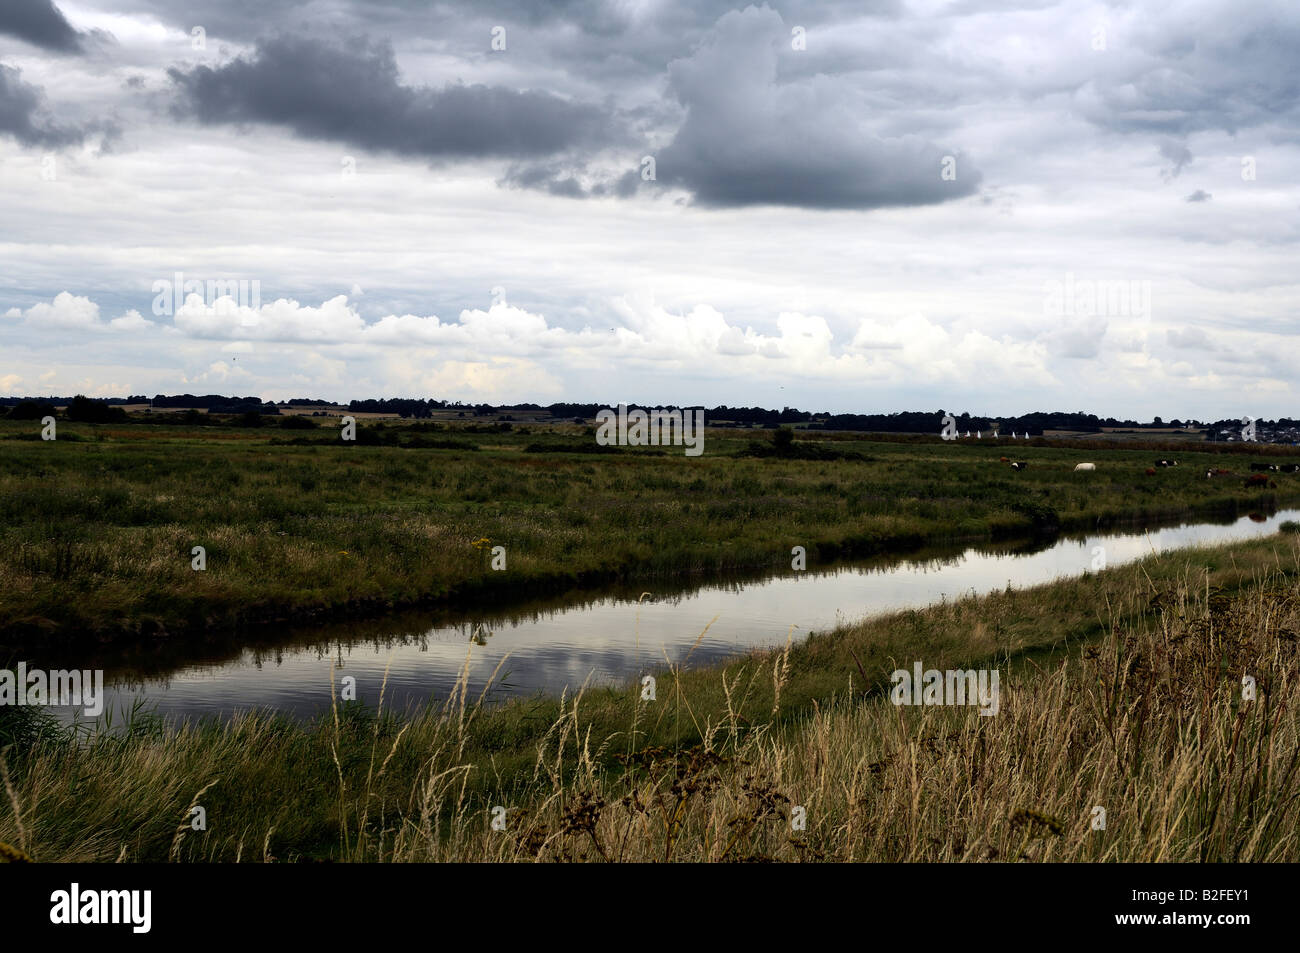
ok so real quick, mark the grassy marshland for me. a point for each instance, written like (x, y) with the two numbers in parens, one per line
(97, 528)
(1121, 690)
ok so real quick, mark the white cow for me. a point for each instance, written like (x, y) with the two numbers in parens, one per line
(1084, 466)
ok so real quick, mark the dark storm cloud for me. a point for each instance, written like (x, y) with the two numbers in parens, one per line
(750, 140)
(21, 114)
(40, 23)
(756, 129)
(352, 93)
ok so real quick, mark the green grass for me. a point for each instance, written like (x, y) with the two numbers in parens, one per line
(97, 528)
(1121, 689)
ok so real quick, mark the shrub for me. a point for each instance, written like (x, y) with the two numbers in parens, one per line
(25, 726)
(1041, 515)
(87, 411)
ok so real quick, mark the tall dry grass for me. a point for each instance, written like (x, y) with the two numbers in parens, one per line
(1149, 724)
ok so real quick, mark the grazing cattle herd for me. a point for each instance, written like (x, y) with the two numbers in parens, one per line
(1258, 480)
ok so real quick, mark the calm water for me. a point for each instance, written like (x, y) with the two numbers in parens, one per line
(604, 636)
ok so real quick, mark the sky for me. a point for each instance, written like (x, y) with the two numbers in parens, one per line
(987, 206)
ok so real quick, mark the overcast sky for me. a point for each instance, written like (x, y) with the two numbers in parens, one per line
(873, 205)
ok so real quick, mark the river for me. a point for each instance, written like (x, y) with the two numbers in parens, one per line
(605, 636)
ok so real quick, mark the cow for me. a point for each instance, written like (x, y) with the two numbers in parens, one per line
(1020, 464)
(1151, 471)
(1258, 481)
(1263, 466)
(1166, 463)
(1084, 467)
(1291, 467)
(1004, 459)
(1217, 473)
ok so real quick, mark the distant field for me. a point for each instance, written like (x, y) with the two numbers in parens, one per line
(97, 527)
(1146, 434)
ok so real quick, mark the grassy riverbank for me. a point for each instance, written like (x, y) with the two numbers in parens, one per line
(1120, 690)
(97, 528)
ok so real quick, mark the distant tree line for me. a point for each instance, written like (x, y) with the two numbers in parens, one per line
(216, 404)
(80, 408)
(402, 406)
(105, 410)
